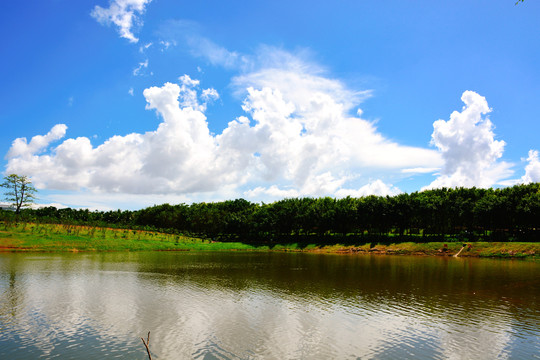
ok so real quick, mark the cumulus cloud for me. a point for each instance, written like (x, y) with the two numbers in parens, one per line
(20, 148)
(189, 97)
(297, 137)
(272, 191)
(468, 146)
(41, 206)
(376, 187)
(122, 13)
(180, 156)
(307, 115)
(532, 170)
(298, 80)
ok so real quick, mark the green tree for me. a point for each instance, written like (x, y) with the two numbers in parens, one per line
(20, 191)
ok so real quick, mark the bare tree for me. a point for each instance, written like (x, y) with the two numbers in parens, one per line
(20, 191)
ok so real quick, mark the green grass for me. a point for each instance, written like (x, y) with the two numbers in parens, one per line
(46, 237)
(63, 238)
(476, 249)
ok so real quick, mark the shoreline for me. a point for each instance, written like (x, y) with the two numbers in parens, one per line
(30, 237)
(507, 250)
(485, 250)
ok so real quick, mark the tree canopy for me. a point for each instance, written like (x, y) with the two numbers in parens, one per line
(471, 214)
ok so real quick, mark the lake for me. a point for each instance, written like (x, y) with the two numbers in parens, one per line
(267, 306)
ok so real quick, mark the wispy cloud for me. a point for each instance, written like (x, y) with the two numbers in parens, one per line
(187, 34)
(122, 13)
(166, 44)
(140, 68)
(145, 47)
(420, 170)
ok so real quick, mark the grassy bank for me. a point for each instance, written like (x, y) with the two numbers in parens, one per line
(472, 249)
(63, 238)
(47, 237)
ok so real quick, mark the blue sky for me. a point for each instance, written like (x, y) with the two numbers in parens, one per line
(130, 103)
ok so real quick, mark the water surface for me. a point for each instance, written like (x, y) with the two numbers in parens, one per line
(267, 306)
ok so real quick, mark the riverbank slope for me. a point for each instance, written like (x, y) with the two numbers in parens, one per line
(71, 238)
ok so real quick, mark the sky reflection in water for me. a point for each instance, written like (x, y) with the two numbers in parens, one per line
(266, 306)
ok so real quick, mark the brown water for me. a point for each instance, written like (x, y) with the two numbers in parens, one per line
(267, 306)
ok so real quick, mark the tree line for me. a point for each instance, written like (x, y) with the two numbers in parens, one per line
(468, 214)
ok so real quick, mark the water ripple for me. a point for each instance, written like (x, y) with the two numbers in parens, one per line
(241, 306)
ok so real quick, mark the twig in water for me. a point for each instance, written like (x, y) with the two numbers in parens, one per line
(146, 344)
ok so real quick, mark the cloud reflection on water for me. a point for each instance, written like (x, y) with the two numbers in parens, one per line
(245, 306)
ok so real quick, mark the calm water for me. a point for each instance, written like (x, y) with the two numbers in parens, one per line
(267, 306)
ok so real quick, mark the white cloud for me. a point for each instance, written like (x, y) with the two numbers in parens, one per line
(273, 192)
(23, 150)
(215, 54)
(56, 205)
(145, 47)
(376, 187)
(166, 44)
(130, 91)
(186, 80)
(122, 13)
(138, 70)
(420, 170)
(110, 201)
(189, 97)
(298, 80)
(532, 170)
(187, 33)
(302, 120)
(468, 146)
(210, 94)
(188, 94)
(297, 139)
